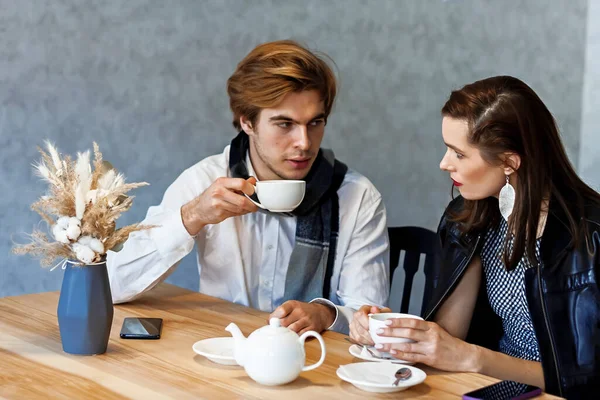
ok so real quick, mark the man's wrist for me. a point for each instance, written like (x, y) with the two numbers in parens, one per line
(190, 219)
(332, 311)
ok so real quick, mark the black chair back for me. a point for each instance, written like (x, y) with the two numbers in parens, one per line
(414, 241)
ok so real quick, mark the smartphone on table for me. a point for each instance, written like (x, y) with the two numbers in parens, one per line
(141, 328)
(505, 390)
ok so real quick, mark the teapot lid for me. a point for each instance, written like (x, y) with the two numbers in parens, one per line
(275, 328)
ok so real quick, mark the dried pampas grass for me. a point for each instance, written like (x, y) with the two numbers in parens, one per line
(45, 249)
(95, 198)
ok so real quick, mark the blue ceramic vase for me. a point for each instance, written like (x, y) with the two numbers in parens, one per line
(85, 309)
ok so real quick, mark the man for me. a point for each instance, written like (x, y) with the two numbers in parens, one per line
(311, 268)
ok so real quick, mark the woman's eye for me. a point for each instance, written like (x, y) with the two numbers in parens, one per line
(459, 156)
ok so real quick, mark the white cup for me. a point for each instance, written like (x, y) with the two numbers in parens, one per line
(377, 321)
(280, 195)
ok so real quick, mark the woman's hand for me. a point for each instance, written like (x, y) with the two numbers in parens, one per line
(359, 327)
(432, 345)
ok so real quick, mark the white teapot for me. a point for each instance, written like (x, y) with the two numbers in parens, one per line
(273, 355)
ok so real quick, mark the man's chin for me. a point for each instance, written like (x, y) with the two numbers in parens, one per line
(293, 174)
(296, 175)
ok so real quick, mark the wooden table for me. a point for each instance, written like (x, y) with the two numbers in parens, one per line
(33, 365)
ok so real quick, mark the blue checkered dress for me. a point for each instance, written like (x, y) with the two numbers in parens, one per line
(506, 294)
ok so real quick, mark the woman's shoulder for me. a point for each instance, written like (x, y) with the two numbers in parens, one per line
(592, 214)
(447, 225)
(451, 227)
(455, 205)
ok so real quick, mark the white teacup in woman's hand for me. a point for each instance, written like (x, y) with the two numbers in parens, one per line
(378, 322)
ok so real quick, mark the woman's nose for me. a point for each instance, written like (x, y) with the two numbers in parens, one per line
(444, 165)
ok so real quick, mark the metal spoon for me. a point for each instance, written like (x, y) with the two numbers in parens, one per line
(370, 352)
(363, 346)
(402, 374)
(348, 339)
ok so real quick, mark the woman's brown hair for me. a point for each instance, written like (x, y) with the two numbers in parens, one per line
(504, 115)
(271, 71)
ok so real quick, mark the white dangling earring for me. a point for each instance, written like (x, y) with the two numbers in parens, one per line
(506, 200)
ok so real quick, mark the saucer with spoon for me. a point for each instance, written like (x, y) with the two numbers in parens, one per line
(380, 377)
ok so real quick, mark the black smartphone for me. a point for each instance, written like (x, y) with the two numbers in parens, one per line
(505, 390)
(141, 328)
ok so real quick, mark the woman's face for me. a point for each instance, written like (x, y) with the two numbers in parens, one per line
(472, 175)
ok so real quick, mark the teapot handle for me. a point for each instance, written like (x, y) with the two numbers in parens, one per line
(321, 342)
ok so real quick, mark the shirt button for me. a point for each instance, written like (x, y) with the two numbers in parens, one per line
(269, 247)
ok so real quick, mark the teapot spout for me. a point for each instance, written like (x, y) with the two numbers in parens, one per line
(235, 332)
(239, 340)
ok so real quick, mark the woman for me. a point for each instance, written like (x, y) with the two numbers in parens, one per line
(516, 295)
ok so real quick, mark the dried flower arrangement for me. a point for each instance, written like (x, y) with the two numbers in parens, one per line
(86, 205)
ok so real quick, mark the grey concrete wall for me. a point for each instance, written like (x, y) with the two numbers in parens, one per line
(146, 80)
(589, 150)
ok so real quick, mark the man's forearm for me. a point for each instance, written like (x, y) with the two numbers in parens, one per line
(148, 256)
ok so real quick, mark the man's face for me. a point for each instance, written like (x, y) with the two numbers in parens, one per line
(286, 138)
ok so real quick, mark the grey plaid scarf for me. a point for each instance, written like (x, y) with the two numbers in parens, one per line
(311, 263)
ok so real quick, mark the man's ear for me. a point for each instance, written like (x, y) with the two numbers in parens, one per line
(246, 125)
(512, 162)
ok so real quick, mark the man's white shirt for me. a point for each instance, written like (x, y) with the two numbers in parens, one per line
(245, 259)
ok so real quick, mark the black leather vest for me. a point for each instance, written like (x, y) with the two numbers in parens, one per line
(562, 295)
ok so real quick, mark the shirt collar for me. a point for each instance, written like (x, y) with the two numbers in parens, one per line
(249, 166)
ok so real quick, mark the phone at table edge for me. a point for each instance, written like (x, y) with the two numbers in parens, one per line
(486, 392)
(141, 328)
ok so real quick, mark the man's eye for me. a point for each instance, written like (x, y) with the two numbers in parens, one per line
(459, 156)
(283, 125)
(316, 122)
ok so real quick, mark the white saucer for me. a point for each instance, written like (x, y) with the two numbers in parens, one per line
(378, 377)
(217, 350)
(358, 352)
